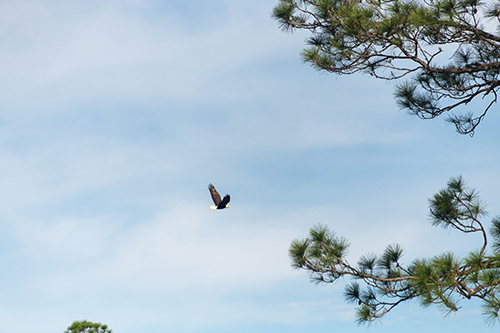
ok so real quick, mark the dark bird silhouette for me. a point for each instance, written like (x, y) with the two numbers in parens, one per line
(219, 204)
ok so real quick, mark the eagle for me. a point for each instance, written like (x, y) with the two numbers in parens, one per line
(219, 204)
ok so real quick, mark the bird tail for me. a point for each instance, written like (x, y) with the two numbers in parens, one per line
(212, 207)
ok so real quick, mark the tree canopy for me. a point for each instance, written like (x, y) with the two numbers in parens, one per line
(448, 50)
(87, 327)
(443, 280)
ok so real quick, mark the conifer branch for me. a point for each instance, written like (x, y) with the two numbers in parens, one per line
(393, 39)
(388, 282)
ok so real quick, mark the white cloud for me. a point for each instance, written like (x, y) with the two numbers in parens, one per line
(61, 169)
(188, 245)
(75, 52)
(187, 261)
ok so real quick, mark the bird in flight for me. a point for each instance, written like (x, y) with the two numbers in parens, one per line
(219, 204)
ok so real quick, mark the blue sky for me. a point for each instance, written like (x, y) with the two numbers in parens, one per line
(115, 115)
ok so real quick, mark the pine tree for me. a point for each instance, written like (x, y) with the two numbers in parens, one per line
(447, 51)
(87, 327)
(443, 280)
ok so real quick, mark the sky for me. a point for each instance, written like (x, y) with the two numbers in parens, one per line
(115, 116)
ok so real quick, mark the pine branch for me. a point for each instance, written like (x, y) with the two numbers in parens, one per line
(389, 282)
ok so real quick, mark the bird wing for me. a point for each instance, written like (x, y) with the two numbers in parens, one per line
(215, 195)
(224, 202)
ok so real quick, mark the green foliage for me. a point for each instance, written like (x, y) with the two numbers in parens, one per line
(392, 39)
(443, 280)
(495, 233)
(87, 327)
(456, 206)
(321, 249)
